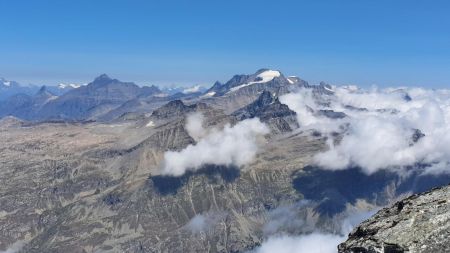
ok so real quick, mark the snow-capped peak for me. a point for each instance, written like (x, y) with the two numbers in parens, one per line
(70, 85)
(209, 94)
(268, 75)
(5, 82)
(263, 77)
(292, 79)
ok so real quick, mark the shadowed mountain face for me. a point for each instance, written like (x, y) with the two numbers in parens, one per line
(86, 102)
(173, 109)
(12, 88)
(269, 110)
(334, 189)
(170, 185)
(26, 106)
(94, 99)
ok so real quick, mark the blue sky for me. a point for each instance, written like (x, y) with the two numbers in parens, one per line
(365, 42)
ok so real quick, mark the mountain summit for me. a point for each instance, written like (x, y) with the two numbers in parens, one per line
(96, 98)
(270, 110)
(262, 79)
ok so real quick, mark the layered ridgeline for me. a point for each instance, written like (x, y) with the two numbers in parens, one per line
(263, 162)
(10, 88)
(108, 99)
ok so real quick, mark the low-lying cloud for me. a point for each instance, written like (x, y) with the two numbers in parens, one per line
(311, 243)
(203, 222)
(384, 129)
(15, 247)
(233, 145)
(302, 234)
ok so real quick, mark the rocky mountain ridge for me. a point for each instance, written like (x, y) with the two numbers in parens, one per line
(107, 99)
(419, 223)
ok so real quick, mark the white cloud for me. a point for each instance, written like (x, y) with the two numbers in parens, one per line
(380, 127)
(194, 125)
(15, 247)
(304, 104)
(318, 241)
(285, 219)
(197, 224)
(203, 222)
(192, 89)
(233, 145)
(311, 243)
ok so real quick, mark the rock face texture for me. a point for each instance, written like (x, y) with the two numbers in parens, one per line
(269, 110)
(241, 90)
(419, 223)
(95, 188)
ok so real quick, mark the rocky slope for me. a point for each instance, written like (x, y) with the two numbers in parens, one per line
(268, 109)
(419, 223)
(93, 187)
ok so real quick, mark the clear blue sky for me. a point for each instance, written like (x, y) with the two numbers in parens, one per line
(365, 42)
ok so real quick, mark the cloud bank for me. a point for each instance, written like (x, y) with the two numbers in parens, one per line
(384, 129)
(15, 247)
(233, 145)
(203, 222)
(193, 89)
(311, 243)
(310, 237)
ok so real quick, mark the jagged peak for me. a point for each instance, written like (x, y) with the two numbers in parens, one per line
(102, 77)
(174, 108)
(175, 103)
(217, 84)
(43, 91)
(265, 98)
(268, 73)
(261, 70)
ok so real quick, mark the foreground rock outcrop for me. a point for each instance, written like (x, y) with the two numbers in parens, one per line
(420, 223)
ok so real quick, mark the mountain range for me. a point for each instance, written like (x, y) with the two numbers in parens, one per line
(111, 166)
(107, 99)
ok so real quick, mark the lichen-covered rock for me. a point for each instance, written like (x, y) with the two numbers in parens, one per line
(419, 223)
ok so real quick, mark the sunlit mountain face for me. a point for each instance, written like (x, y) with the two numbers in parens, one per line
(261, 163)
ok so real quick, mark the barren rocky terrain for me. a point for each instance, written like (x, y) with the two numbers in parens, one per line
(90, 187)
